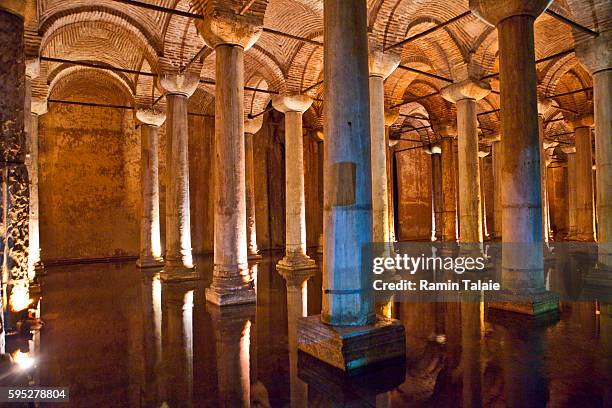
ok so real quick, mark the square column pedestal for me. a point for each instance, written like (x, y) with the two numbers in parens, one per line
(532, 304)
(351, 347)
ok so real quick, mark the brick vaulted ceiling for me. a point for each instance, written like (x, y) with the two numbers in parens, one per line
(138, 40)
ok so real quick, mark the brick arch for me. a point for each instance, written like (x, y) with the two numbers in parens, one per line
(255, 102)
(202, 101)
(94, 40)
(138, 24)
(181, 38)
(90, 85)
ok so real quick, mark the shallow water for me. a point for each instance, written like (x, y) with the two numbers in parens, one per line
(118, 337)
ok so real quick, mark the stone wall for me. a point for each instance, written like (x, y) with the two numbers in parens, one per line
(414, 194)
(90, 183)
(557, 199)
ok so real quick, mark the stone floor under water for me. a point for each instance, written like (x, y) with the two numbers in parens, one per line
(118, 337)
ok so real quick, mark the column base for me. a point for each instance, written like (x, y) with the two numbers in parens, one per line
(532, 304)
(296, 262)
(226, 297)
(351, 347)
(149, 262)
(172, 273)
(254, 256)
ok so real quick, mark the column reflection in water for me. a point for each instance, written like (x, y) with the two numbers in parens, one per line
(297, 307)
(522, 353)
(151, 299)
(232, 327)
(470, 349)
(177, 343)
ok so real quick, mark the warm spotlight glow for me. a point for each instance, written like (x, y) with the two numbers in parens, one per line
(20, 297)
(23, 360)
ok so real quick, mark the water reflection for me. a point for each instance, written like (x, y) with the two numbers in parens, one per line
(134, 341)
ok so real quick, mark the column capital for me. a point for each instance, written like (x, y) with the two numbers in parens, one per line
(252, 125)
(595, 54)
(543, 105)
(467, 89)
(319, 135)
(223, 27)
(179, 84)
(16, 7)
(391, 116)
(482, 153)
(576, 122)
(32, 67)
(494, 11)
(445, 128)
(39, 106)
(291, 103)
(496, 137)
(382, 64)
(151, 116)
(569, 150)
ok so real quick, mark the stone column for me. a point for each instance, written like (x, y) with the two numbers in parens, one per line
(542, 106)
(150, 241)
(571, 192)
(178, 257)
(229, 35)
(465, 94)
(596, 55)
(522, 259)
(447, 132)
(348, 304)
(390, 118)
(496, 151)
(438, 192)
(251, 127)
(294, 106)
(14, 185)
(34, 107)
(585, 229)
(381, 65)
(483, 201)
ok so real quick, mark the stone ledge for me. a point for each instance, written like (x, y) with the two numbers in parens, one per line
(532, 304)
(352, 347)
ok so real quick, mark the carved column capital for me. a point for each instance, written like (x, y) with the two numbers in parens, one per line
(391, 115)
(179, 84)
(494, 11)
(382, 64)
(151, 116)
(595, 54)
(252, 126)
(39, 106)
(467, 89)
(223, 27)
(291, 103)
(16, 7)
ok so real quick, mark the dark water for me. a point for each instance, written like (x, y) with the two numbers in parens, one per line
(118, 337)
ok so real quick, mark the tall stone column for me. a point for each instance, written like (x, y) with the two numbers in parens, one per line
(483, 201)
(447, 132)
(465, 94)
(251, 127)
(596, 55)
(585, 206)
(178, 257)
(343, 334)
(150, 241)
(438, 192)
(522, 255)
(34, 107)
(542, 106)
(496, 151)
(294, 106)
(14, 185)
(571, 192)
(381, 65)
(229, 35)
(390, 118)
